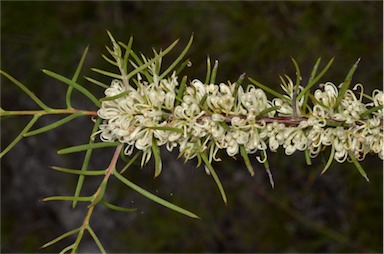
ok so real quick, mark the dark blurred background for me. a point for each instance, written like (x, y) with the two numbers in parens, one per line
(336, 212)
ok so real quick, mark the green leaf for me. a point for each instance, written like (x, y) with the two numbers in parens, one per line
(139, 63)
(214, 72)
(68, 198)
(53, 125)
(238, 84)
(371, 110)
(178, 59)
(269, 90)
(96, 82)
(75, 76)
(186, 63)
(156, 154)
(99, 194)
(165, 128)
(57, 239)
(66, 249)
(315, 80)
(267, 168)
(78, 87)
(180, 93)
(126, 54)
(154, 197)
(115, 97)
(214, 175)
(117, 208)
(154, 60)
(21, 135)
(133, 159)
(85, 164)
(80, 148)
(247, 162)
(266, 111)
(96, 239)
(359, 167)
(80, 172)
(345, 84)
(208, 76)
(307, 157)
(329, 162)
(113, 62)
(27, 91)
(107, 73)
(296, 88)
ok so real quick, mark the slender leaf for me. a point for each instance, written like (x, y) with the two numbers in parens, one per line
(154, 197)
(267, 168)
(180, 93)
(314, 81)
(27, 91)
(53, 125)
(139, 62)
(266, 111)
(269, 90)
(165, 128)
(156, 154)
(214, 72)
(99, 194)
(186, 63)
(178, 59)
(80, 172)
(359, 167)
(345, 84)
(85, 164)
(107, 73)
(371, 110)
(80, 148)
(96, 239)
(238, 84)
(21, 135)
(70, 247)
(208, 76)
(96, 82)
(57, 239)
(247, 162)
(296, 88)
(78, 87)
(154, 60)
(307, 157)
(117, 208)
(133, 159)
(68, 198)
(126, 54)
(115, 96)
(75, 76)
(329, 162)
(113, 62)
(214, 175)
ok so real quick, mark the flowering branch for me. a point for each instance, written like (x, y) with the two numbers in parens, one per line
(145, 108)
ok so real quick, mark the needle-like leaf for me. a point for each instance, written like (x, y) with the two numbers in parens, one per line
(74, 78)
(80, 148)
(154, 197)
(69, 82)
(214, 175)
(20, 136)
(26, 90)
(53, 125)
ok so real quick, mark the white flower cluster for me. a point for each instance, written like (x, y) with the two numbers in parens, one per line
(210, 117)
